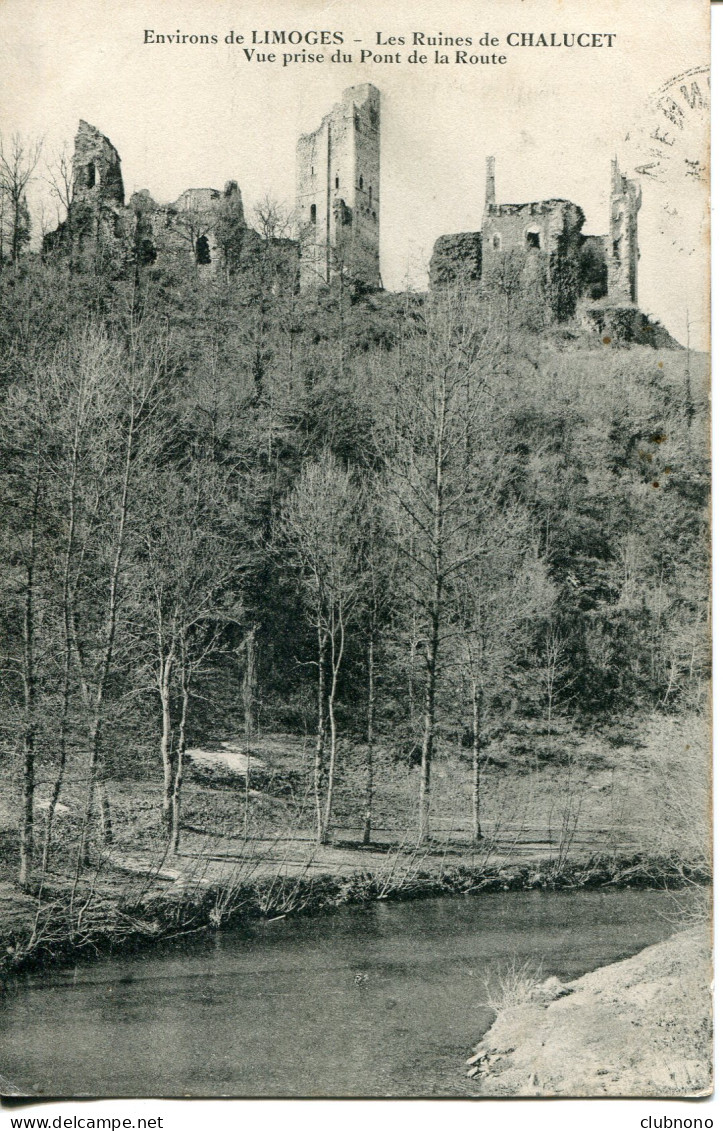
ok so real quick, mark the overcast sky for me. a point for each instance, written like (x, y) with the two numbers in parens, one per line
(193, 115)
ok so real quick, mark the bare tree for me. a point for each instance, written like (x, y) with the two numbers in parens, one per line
(18, 162)
(59, 179)
(24, 593)
(321, 523)
(72, 401)
(441, 406)
(50, 438)
(499, 596)
(131, 386)
(273, 219)
(186, 598)
(555, 671)
(380, 570)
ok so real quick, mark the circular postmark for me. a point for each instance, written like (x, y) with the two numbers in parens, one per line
(674, 132)
(667, 150)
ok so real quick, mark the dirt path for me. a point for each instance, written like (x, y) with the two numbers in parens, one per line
(218, 858)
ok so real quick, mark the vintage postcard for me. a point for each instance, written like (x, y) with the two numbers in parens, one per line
(355, 536)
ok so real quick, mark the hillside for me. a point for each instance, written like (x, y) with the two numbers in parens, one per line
(456, 552)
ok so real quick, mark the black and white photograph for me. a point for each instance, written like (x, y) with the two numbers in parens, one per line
(355, 599)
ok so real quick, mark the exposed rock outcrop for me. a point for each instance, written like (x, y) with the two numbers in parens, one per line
(626, 325)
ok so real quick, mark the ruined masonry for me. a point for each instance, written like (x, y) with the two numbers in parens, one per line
(337, 192)
(542, 244)
(622, 252)
(539, 251)
(539, 246)
(337, 206)
(205, 225)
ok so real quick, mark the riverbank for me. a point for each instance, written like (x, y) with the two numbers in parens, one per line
(555, 814)
(641, 1027)
(374, 1000)
(119, 909)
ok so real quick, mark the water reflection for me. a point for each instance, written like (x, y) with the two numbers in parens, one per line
(381, 1000)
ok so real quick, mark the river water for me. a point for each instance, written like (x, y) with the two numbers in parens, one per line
(370, 1001)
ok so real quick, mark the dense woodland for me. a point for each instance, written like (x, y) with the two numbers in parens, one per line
(399, 522)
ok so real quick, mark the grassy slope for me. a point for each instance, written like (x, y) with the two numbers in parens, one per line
(632, 788)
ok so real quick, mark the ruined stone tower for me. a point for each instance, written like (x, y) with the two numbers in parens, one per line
(490, 184)
(542, 247)
(623, 253)
(97, 175)
(337, 192)
(538, 241)
(205, 226)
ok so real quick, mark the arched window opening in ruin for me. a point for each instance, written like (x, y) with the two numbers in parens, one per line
(312, 213)
(497, 241)
(203, 251)
(533, 239)
(90, 175)
(336, 182)
(361, 182)
(616, 249)
(374, 215)
(370, 196)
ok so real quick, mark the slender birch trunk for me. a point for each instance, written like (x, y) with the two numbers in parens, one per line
(320, 726)
(371, 705)
(248, 684)
(180, 754)
(337, 655)
(476, 764)
(96, 785)
(27, 830)
(435, 610)
(165, 666)
(67, 654)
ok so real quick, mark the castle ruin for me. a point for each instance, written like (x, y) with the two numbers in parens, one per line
(545, 240)
(622, 242)
(337, 192)
(337, 212)
(204, 225)
(97, 174)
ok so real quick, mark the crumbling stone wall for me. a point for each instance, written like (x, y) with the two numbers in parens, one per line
(204, 225)
(593, 267)
(547, 226)
(456, 259)
(546, 235)
(95, 226)
(540, 248)
(622, 249)
(97, 174)
(337, 192)
(190, 227)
